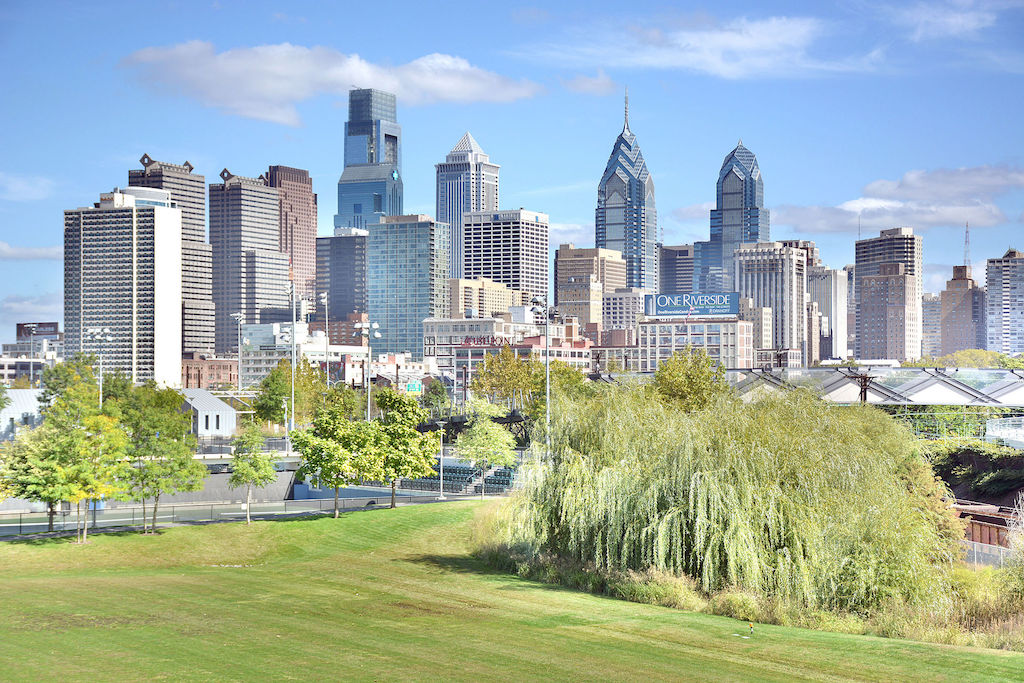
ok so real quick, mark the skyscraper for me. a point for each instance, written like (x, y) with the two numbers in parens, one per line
(1004, 284)
(341, 273)
(739, 217)
(827, 288)
(775, 276)
(931, 325)
(188, 192)
(297, 224)
(466, 181)
(407, 279)
(890, 302)
(582, 277)
(371, 184)
(895, 245)
(122, 283)
(510, 247)
(676, 267)
(250, 273)
(963, 313)
(626, 219)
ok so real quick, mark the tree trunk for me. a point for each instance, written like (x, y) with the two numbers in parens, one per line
(394, 484)
(51, 511)
(483, 479)
(152, 527)
(335, 502)
(78, 522)
(248, 499)
(143, 514)
(85, 527)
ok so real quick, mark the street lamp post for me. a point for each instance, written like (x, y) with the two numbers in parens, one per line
(541, 307)
(327, 337)
(369, 331)
(100, 334)
(238, 319)
(440, 459)
(31, 327)
(291, 295)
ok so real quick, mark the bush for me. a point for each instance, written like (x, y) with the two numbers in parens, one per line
(737, 604)
(653, 587)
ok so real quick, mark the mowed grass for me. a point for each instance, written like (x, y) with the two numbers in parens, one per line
(385, 595)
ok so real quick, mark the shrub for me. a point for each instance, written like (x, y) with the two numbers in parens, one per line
(737, 604)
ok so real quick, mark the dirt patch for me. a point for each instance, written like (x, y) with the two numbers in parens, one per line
(65, 622)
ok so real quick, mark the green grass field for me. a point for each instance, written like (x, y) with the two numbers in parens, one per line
(385, 595)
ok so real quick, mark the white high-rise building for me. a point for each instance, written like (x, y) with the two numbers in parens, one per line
(828, 288)
(510, 247)
(775, 276)
(466, 181)
(122, 283)
(623, 308)
(1004, 282)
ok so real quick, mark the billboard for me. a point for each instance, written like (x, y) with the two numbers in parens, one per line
(686, 305)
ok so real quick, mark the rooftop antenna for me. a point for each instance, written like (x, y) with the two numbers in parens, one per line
(626, 124)
(967, 243)
(858, 227)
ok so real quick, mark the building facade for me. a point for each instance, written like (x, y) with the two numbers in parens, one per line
(931, 325)
(963, 313)
(371, 184)
(265, 345)
(297, 224)
(407, 279)
(827, 287)
(209, 372)
(510, 247)
(739, 217)
(889, 303)
(895, 245)
(467, 181)
(250, 273)
(622, 309)
(582, 276)
(676, 266)
(188, 192)
(482, 298)
(341, 273)
(775, 276)
(760, 319)
(626, 219)
(1004, 310)
(727, 340)
(122, 283)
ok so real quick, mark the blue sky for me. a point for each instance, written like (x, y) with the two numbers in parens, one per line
(893, 113)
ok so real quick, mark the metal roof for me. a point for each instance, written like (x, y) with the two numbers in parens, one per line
(21, 401)
(205, 402)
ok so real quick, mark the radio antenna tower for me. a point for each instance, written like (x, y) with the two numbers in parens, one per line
(967, 243)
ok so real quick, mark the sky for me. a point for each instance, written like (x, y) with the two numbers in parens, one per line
(863, 115)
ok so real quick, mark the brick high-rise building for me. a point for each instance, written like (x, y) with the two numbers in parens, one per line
(582, 277)
(297, 223)
(963, 313)
(890, 308)
(896, 245)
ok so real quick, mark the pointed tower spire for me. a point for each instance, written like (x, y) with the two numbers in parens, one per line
(740, 143)
(625, 124)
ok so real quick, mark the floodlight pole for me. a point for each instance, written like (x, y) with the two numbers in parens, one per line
(440, 459)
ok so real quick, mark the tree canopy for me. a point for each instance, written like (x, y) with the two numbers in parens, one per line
(405, 452)
(276, 389)
(250, 465)
(486, 442)
(690, 380)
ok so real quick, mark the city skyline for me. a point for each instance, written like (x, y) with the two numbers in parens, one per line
(817, 102)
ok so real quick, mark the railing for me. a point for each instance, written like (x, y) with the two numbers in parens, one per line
(12, 524)
(985, 554)
(223, 445)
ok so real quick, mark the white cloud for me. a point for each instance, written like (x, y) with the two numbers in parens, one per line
(580, 234)
(921, 199)
(267, 81)
(600, 84)
(47, 306)
(23, 188)
(693, 212)
(14, 253)
(930, 21)
(741, 48)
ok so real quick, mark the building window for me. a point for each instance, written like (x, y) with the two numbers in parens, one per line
(218, 422)
(207, 425)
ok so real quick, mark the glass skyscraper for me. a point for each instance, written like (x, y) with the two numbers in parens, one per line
(466, 181)
(739, 217)
(626, 219)
(371, 184)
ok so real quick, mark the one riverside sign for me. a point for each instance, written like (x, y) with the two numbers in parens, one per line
(675, 305)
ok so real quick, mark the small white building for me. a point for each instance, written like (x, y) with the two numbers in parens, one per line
(21, 413)
(210, 415)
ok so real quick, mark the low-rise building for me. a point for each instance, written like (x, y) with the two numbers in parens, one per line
(20, 413)
(264, 346)
(199, 371)
(210, 415)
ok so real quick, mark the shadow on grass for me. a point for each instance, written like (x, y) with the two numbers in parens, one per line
(468, 564)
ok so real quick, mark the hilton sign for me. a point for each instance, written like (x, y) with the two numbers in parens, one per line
(676, 305)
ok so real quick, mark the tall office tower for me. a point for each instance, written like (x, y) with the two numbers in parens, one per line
(896, 245)
(400, 298)
(188, 192)
(582, 276)
(760, 318)
(466, 181)
(963, 313)
(828, 288)
(813, 334)
(482, 298)
(297, 224)
(341, 273)
(122, 283)
(626, 219)
(890, 302)
(250, 273)
(371, 184)
(739, 217)
(510, 247)
(775, 276)
(850, 270)
(1004, 284)
(931, 325)
(809, 248)
(676, 268)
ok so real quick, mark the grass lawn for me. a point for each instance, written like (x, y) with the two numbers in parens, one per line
(385, 595)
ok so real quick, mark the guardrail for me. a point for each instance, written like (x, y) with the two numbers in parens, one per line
(986, 554)
(13, 524)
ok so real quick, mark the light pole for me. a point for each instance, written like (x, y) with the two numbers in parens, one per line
(369, 331)
(291, 295)
(238, 319)
(327, 337)
(100, 334)
(539, 306)
(441, 423)
(31, 327)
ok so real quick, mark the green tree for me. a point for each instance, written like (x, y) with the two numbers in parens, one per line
(506, 376)
(20, 382)
(337, 450)
(486, 442)
(4, 399)
(58, 378)
(33, 467)
(435, 396)
(162, 449)
(690, 380)
(403, 451)
(250, 466)
(276, 390)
